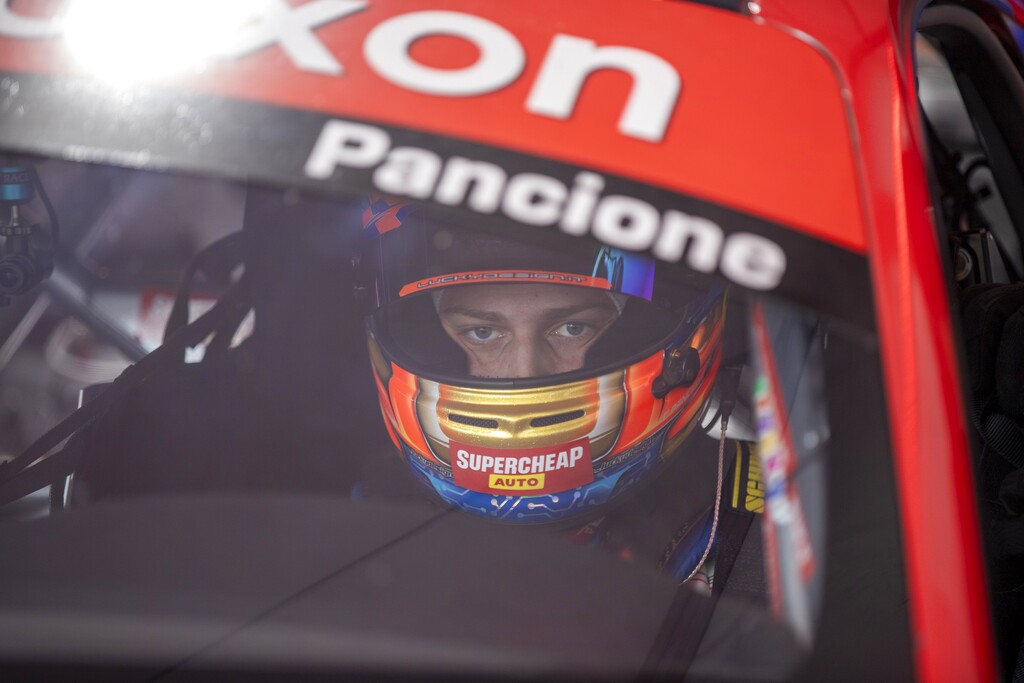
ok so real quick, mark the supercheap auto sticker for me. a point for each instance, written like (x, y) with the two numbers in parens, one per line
(537, 470)
(525, 502)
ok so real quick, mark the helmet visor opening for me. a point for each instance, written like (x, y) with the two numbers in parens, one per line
(522, 331)
(464, 304)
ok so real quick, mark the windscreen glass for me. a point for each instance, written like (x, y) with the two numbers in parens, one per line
(406, 434)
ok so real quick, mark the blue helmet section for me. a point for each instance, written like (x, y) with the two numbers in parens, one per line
(628, 273)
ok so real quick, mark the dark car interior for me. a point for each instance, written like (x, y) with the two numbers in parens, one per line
(972, 108)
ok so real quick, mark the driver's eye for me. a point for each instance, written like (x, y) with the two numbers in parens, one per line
(571, 329)
(481, 333)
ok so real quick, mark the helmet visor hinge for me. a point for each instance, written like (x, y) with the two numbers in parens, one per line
(680, 368)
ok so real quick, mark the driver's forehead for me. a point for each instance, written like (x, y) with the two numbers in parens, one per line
(533, 297)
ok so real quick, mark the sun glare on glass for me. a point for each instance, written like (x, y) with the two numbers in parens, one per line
(125, 41)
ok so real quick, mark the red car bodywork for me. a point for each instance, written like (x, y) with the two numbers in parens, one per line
(872, 48)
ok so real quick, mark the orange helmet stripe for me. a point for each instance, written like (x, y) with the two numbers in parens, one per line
(403, 390)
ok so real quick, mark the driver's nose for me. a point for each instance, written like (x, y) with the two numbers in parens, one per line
(529, 357)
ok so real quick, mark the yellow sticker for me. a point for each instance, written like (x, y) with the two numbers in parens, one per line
(755, 487)
(528, 482)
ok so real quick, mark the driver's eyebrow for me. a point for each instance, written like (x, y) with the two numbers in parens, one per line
(569, 311)
(489, 316)
(550, 313)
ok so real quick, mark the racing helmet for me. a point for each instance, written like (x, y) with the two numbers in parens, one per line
(584, 428)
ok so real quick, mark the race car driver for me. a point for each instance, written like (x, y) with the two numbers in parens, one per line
(568, 388)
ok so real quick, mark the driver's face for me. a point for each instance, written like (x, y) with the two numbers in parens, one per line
(525, 330)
